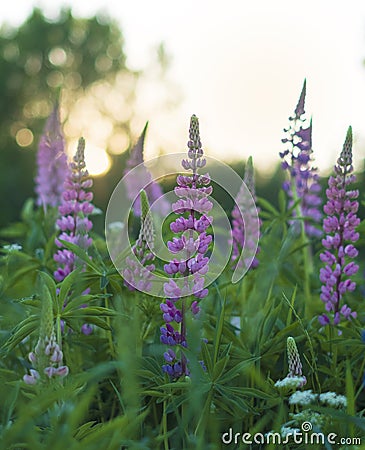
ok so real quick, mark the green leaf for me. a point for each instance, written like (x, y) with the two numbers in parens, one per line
(65, 288)
(104, 281)
(207, 358)
(48, 281)
(82, 255)
(268, 206)
(89, 311)
(219, 367)
(89, 319)
(236, 370)
(76, 302)
(21, 331)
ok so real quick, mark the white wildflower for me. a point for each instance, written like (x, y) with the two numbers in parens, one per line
(332, 399)
(302, 398)
(291, 382)
(309, 416)
(12, 247)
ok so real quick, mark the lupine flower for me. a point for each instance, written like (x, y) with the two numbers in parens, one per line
(52, 167)
(242, 229)
(295, 378)
(295, 365)
(47, 356)
(138, 274)
(303, 183)
(340, 229)
(189, 249)
(143, 180)
(74, 223)
(74, 211)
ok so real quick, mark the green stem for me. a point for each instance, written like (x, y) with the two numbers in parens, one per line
(58, 331)
(307, 263)
(109, 332)
(164, 427)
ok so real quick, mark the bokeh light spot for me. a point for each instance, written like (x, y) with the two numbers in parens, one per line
(24, 137)
(57, 56)
(55, 79)
(103, 63)
(118, 143)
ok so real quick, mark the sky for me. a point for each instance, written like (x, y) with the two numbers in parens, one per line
(240, 66)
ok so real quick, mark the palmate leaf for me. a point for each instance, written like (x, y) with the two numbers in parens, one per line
(219, 368)
(237, 370)
(230, 402)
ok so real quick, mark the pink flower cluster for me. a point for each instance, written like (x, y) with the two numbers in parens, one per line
(303, 183)
(76, 206)
(47, 357)
(52, 167)
(340, 228)
(243, 231)
(190, 247)
(74, 222)
(142, 179)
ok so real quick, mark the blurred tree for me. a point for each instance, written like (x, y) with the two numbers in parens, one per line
(42, 60)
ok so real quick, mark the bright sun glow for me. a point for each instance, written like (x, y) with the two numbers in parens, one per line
(97, 160)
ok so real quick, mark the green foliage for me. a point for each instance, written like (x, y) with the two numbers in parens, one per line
(116, 395)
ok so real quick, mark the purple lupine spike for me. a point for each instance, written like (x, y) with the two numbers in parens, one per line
(47, 358)
(143, 180)
(73, 222)
(303, 183)
(242, 230)
(138, 274)
(339, 226)
(52, 167)
(294, 363)
(299, 110)
(189, 249)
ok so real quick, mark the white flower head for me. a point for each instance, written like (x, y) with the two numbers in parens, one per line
(12, 247)
(302, 398)
(291, 382)
(333, 399)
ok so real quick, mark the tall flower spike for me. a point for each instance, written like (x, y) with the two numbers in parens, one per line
(143, 180)
(295, 378)
(52, 167)
(47, 356)
(242, 230)
(303, 183)
(295, 365)
(190, 248)
(138, 275)
(74, 223)
(340, 228)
